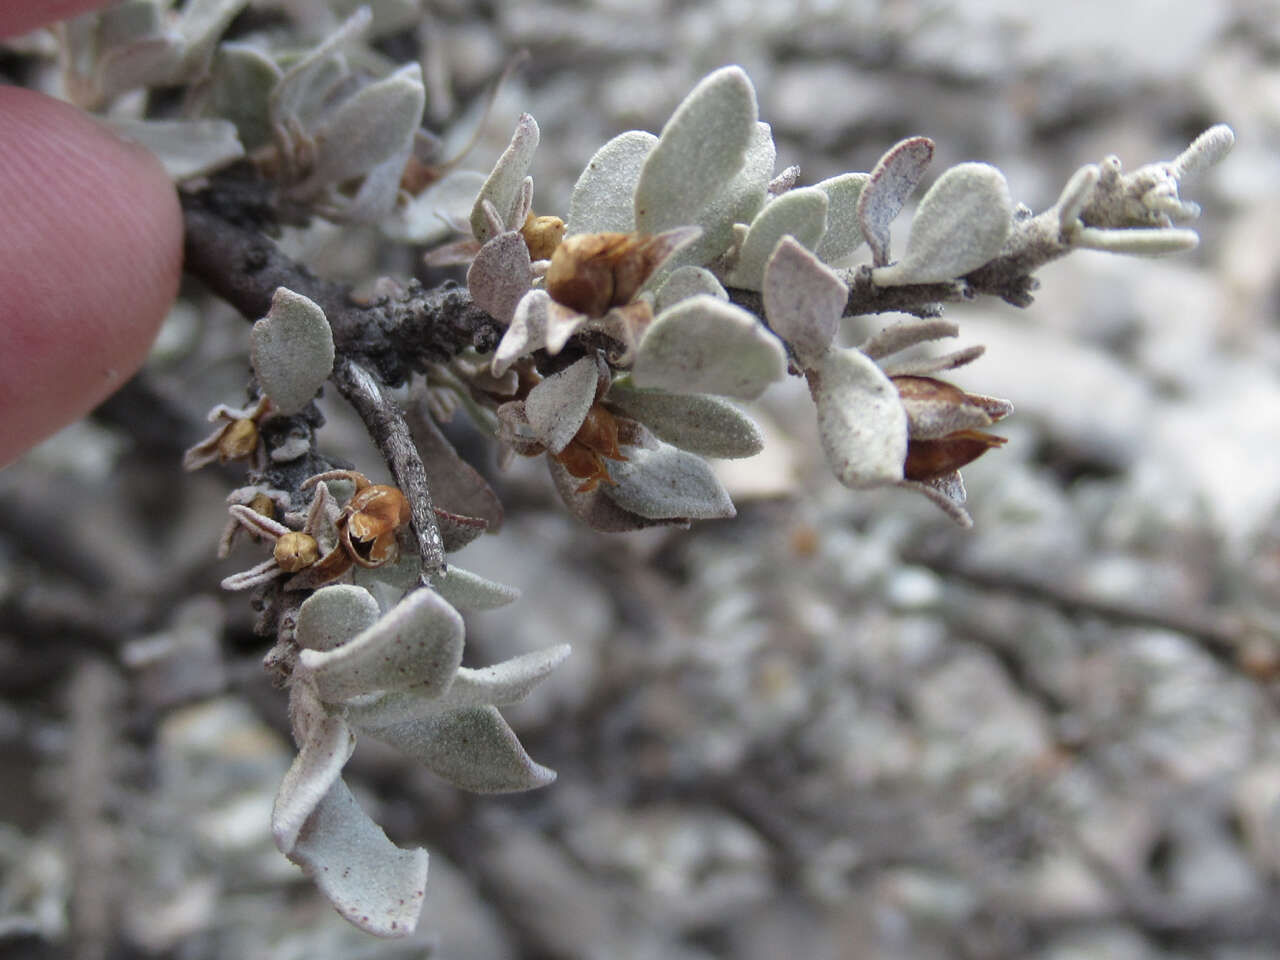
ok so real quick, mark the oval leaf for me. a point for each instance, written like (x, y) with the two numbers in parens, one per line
(697, 423)
(499, 276)
(368, 128)
(665, 483)
(803, 300)
(887, 189)
(701, 147)
(800, 213)
(291, 349)
(333, 615)
(469, 591)
(703, 345)
(961, 223)
(686, 282)
(861, 421)
(418, 643)
(557, 406)
(603, 199)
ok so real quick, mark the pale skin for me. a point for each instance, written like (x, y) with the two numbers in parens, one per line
(90, 253)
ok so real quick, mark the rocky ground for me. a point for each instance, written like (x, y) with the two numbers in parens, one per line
(835, 727)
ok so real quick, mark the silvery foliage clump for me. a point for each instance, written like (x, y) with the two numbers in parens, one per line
(686, 277)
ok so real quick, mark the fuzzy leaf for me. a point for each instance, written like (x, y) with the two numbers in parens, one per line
(441, 209)
(887, 189)
(240, 84)
(369, 127)
(738, 201)
(455, 485)
(907, 333)
(321, 757)
(800, 213)
(695, 422)
(1142, 241)
(803, 300)
(500, 685)
(370, 881)
(701, 147)
(472, 748)
(685, 282)
(303, 83)
(665, 483)
(704, 345)
(844, 231)
(499, 276)
(201, 24)
(557, 406)
(961, 223)
(469, 591)
(333, 615)
(861, 421)
(292, 350)
(186, 148)
(595, 509)
(603, 198)
(538, 322)
(418, 643)
(947, 493)
(506, 181)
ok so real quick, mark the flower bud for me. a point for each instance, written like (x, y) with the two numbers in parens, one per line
(296, 551)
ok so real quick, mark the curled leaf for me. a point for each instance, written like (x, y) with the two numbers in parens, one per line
(321, 757)
(887, 189)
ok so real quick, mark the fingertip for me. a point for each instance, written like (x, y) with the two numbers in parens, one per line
(92, 241)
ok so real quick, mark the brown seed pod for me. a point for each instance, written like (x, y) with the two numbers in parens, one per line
(927, 459)
(369, 524)
(591, 272)
(584, 455)
(264, 505)
(542, 235)
(238, 440)
(296, 551)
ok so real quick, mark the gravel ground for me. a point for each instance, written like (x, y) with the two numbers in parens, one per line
(835, 727)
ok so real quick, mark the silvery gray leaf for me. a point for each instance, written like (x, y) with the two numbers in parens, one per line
(685, 282)
(500, 685)
(418, 643)
(379, 190)
(961, 224)
(596, 510)
(557, 406)
(1076, 194)
(499, 276)
(844, 230)
(907, 333)
(201, 24)
(1205, 150)
(800, 213)
(369, 128)
(455, 485)
(465, 590)
(803, 300)
(924, 366)
(333, 615)
(667, 483)
(704, 345)
(145, 61)
(523, 206)
(701, 147)
(186, 148)
(321, 756)
(947, 493)
(1142, 241)
(737, 201)
(603, 197)
(370, 881)
(304, 84)
(887, 189)
(538, 322)
(472, 748)
(402, 576)
(862, 423)
(292, 350)
(441, 209)
(240, 84)
(694, 422)
(504, 183)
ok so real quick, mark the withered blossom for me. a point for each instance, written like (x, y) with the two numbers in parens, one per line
(236, 438)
